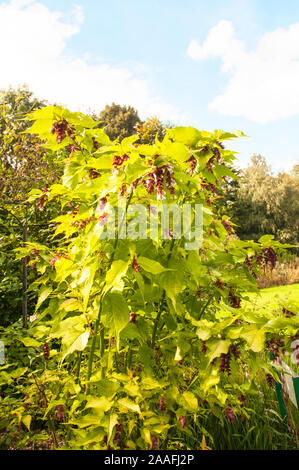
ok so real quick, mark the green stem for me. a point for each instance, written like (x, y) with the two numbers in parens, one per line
(78, 366)
(129, 356)
(163, 297)
(204, 308)
(157, 321)
(93, 344)
(52, 428)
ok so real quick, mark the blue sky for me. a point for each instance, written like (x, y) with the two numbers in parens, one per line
(229, 64)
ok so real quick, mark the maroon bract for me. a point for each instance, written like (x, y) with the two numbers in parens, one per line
(133, 318)
(103, 219)
(61, 129)
(46, 351)
(270, 380)
(154, 443)
(270, 256)
(219, 284)
(95, 143)
(93, 174)
(233, 299)
(102, 203)
(230, 414)
(135, 265)
(162, 404)
(183, 421)
(243, 400)
(227, 226)
(60, 413)
(193, 162)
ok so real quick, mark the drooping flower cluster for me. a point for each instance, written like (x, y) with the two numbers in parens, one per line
(229, 413)
(295, 347)
(60, 413)
(103, 219)
(216, 156)
(102, 203)
(276, 346)
(135, 265)
(119, 160)
(212, 188)
(154, 443)
(219, 284)
(242, 400)
(198, 292)
(133, 318)
(270, 380)
(193, 162)
(159, 178)
(183, 421)
(224, 363)
(43, 199)
(95, 143)
(93, 174)
(81, 224)
(233, 299)
(270, 256)
(119, 430)
(46, 351)
(220, 145)
(162, 404)
(61, 129)
(227, 226)
(225, 359)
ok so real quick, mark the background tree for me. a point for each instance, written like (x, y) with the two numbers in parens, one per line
(264, 203)
(24, 165)
(118, 121)
(149, 129)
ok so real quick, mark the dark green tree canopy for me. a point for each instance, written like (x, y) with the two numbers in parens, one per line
(118, 121)
(267, 203)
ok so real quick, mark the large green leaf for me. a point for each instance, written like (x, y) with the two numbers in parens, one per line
(115, 274)
(30, 342)
(255, 338)
(116, 313)
(79, 344)
(218, 347)
(43, 295)
(129, 404)
(151, 265)
(188, 401)
(172, 284)
(209, 382)
(100, 404)
(186, 135)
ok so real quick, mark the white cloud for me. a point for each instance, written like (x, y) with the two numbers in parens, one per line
(263, 84)
(33, 51)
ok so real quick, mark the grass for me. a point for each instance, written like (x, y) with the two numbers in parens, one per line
(272, 297)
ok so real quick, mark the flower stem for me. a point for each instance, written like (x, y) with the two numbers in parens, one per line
(94, 339)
